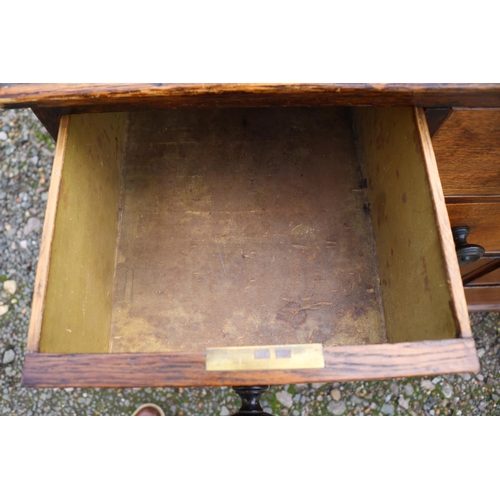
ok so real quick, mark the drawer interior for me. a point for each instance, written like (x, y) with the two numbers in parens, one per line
(243, 227)
(179, 230)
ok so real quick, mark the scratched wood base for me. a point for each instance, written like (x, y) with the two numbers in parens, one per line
(342, 363)
(243, 227)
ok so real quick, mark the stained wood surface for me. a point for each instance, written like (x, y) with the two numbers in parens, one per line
(491, 278)
(467, 148)
(483, 219)
(420, 280)
(77, 303)
(42, 273)
(99, 97)
(470, 198)
(342, 363)
(483, 298)
(243, 227)
(436, 117)
(483, 271)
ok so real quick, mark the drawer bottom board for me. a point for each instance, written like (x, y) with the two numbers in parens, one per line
(243, 227)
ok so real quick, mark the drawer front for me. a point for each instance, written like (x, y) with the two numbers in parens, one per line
(481, 298)
(492, 278)
(485, 271)
(483, 219)
(467, 149)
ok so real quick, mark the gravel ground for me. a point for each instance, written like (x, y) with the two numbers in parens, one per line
(26, 153)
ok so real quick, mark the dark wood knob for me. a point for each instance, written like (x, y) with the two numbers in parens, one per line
(466, 252)
(250, 400)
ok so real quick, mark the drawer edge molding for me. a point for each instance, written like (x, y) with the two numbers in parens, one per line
(91, 97)
(342, 363)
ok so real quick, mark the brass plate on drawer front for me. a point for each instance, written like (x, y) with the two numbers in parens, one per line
(270, 357)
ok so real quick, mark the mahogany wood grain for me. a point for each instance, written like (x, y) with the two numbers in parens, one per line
(483, 219)
(120, 97)
(483, 298)
(467, 148)
(342, 363)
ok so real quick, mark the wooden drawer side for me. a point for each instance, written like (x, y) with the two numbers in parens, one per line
(76, 267)
(415, 248)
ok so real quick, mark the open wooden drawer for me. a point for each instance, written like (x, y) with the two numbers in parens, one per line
(318, 237)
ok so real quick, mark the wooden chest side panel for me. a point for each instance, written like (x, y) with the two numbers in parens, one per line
(414, 245)
(77, 309)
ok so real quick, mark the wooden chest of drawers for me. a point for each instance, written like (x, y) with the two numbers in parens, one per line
(467, 148)
(280, 234)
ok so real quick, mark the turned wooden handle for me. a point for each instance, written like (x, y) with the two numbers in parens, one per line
(466, 252)
(250, 400)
